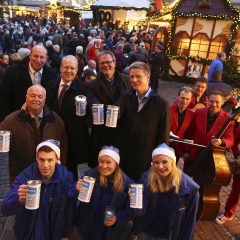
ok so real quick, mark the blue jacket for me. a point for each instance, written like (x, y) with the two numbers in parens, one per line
(181, 213)
(55, 217)
(90, 216)
(216, 65)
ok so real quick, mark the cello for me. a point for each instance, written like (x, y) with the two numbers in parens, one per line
(211, 171)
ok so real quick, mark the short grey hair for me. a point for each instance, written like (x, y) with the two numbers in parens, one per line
(140, 65)
(69, 57)
(37, 86)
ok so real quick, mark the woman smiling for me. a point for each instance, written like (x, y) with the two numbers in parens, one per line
(170, 200)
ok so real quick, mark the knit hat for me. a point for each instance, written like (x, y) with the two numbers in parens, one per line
(164, 149)
(53, 144)
(111, 152)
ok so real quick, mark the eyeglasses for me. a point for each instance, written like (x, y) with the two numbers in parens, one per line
(107, 63)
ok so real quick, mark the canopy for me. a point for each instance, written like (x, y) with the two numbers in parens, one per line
(127, 4)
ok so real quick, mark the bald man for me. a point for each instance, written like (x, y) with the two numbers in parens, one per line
(31, 126)
(20, 77)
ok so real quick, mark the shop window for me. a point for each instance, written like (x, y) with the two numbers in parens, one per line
(218, 44)
(199, 46)
(162, 35)
(181, 43)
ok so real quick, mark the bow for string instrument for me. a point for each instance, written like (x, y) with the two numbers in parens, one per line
(211, 171)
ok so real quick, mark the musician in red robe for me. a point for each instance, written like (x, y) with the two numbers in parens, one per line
(200, 93)
(181, 118)
(199, 96)
(205, 125)
(234, 196)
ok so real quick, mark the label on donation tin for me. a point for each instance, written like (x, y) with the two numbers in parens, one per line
(81, 103)
(136, 195)
(112, 116)
(33, 194)
(4, 141)
(98, 114)
(86, 189)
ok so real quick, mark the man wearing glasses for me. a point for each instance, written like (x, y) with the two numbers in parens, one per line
(107, 88)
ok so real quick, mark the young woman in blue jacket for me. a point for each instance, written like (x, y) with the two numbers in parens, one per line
(110, 189)
(170, 200)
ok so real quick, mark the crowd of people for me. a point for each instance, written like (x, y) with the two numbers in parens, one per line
(51, 143)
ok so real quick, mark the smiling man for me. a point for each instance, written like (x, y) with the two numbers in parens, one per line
(144, 122)
(29, 127)
(206, 124)
(61, 98)
(19, 77)
(54, 219)
(181, 117)
(108, 88)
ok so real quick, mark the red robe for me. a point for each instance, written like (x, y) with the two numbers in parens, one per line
(198, 133)
(179, 148)
(236, 147)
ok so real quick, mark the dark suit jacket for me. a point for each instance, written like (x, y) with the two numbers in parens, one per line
(76, 126)
(14, 86)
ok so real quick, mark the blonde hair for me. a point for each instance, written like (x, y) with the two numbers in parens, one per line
(118, 185)
(158, 183)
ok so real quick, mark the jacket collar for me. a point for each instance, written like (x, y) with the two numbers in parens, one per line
(47, 115)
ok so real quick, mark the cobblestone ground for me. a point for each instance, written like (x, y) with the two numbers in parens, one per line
(205, 230)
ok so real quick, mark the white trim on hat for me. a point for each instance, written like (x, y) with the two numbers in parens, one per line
(164, 151)
(109, 152)
(55, 148)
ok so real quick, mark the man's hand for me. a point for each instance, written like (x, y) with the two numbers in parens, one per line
(216, 142)
(238, 160)
(22, 193)
(24, 106)
(110, 222)
(79, 185)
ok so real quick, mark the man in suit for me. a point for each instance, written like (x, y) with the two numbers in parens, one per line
(181, 117)
(144, 122)
(19, 77)
(61, 98)
(108, 88)
(31, 126)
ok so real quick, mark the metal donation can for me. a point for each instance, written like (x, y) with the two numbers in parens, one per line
(136, 195)
(98, 114)
(81, 104)
(86, 189)
(112, 116)
(4, 141)
(33, 194)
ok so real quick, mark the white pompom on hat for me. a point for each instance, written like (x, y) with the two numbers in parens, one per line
(164, 149)
(111, 152)
(53, 144)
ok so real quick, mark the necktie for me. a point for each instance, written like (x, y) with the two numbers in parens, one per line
(36, 122)
(35, 79)
(61, 95)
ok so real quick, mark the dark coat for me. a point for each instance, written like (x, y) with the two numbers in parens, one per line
(76, 126)
(138, 133)
(24, 139)
(15, 84)
(108, 95)
(57, 206)
(87, 213)
(182, 209)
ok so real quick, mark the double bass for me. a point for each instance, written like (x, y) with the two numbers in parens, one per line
(211, 171)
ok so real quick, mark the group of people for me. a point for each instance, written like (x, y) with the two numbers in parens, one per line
(50, 143)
